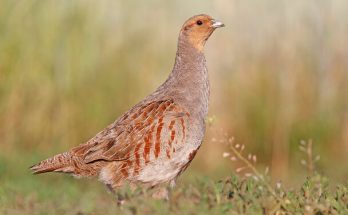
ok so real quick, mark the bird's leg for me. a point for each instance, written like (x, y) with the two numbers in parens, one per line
(171, 186)
(111, 190)
(120, 200)
(172, 183)
(164, 192)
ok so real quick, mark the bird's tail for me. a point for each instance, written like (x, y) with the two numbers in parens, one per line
(58, 163)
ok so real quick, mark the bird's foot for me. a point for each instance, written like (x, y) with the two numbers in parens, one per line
(120, 199)
(161, 193)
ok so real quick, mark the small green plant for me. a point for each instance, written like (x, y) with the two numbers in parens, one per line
(314, 197)
(310, 159)
(250, 171)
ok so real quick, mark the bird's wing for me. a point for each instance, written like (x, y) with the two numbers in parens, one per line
(145, 127)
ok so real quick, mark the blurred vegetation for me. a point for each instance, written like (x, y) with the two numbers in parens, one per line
(279, 75)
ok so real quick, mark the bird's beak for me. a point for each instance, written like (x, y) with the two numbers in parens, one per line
(217, 24)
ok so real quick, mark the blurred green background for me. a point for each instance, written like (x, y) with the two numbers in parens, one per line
(279, 74)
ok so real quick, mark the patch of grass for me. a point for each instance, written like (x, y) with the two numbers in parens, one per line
(233, 195)
(251, 193)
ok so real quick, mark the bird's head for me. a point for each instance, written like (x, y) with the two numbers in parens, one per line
(198, 29)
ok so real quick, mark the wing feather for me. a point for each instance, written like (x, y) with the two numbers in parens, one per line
(117, 141)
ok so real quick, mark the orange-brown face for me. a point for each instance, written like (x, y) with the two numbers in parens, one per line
(198, 29)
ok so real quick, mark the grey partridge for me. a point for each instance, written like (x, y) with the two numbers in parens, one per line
(155, 141)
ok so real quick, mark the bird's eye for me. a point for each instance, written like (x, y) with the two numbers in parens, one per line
(199, 22)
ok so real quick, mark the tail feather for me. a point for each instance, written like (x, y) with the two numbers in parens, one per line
(58, 163)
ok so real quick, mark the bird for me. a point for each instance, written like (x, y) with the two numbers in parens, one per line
(155, 141)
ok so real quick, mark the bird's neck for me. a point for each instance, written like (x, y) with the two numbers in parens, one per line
(189, 67)
(189, 79)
